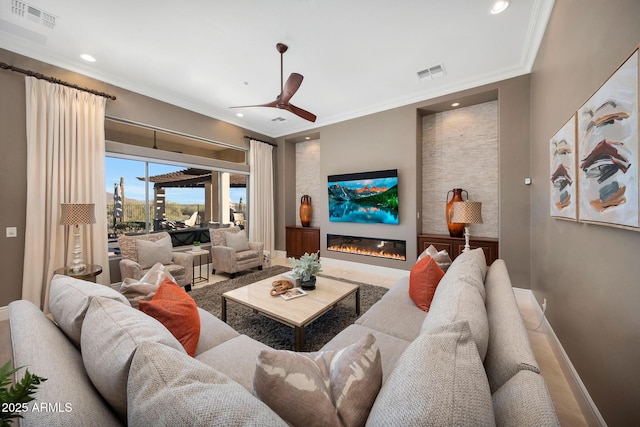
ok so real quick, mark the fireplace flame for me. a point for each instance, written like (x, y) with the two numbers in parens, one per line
(360, 251)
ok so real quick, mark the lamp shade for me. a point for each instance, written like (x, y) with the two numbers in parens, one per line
(77, 213)
(467, 212)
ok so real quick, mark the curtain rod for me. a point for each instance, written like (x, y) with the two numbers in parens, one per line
(264, 142)
(54, 80)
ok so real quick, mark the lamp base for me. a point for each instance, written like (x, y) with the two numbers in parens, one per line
(467, 235)
(77, 265)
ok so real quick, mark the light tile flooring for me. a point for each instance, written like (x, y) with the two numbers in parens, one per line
(566, 405)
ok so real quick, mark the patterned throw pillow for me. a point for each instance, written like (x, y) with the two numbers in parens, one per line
(177, 311)
(423, 281)
(322, 388)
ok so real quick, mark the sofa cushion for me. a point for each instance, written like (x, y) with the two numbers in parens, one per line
(110, 334)
(38, 344)
(472, 265)
(395, 313)
(524, 401)
(217, 235)
(439, 381)
(321, 388)
(509, 350)
(177, 311)
(69, 300)
(166, 387)
(213, 332)
(460, 301)
(235, 358)
(237, 241)
(150, 252)
(423, 281)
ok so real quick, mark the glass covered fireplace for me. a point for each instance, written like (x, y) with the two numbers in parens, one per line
(381, 248)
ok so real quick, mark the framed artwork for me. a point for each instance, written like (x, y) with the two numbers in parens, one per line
(608, 151)
(564, 201)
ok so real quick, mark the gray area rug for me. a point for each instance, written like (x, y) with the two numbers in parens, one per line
(275, 334)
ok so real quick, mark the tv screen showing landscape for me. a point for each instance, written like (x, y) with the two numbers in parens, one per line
(367, 197)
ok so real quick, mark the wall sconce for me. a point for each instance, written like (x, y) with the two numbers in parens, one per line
(467, 213)
(77, 214)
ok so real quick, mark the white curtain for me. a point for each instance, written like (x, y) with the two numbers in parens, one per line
(65, 164)
(261, 206)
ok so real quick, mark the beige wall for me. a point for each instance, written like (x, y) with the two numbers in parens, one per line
(13, 162)
(589, 274)
(392, 140)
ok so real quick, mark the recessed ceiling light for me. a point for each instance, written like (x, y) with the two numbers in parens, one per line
(455, 104)
(499, 6)
(88, 57)
(307, 138)
(239, 114)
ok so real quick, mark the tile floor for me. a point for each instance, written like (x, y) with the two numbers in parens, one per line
(564, 400)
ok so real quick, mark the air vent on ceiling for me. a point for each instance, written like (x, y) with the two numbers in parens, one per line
(33, 14)
(279, 120)
(432, 72)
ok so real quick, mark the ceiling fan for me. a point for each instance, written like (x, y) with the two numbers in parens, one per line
(287, 90)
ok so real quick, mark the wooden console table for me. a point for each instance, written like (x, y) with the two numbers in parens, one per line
(455, 245)
(301, 240)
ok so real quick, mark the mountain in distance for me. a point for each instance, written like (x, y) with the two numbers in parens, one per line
(372, 195)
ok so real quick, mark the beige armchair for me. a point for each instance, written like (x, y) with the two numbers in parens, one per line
(235, 253)
(141, 252)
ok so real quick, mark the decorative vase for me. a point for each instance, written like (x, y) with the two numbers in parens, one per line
(305, 210)
(309, 285)
(455, 229)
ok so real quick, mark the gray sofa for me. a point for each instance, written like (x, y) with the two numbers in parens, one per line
(466, 362)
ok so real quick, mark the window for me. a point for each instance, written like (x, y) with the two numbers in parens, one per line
(150, 189)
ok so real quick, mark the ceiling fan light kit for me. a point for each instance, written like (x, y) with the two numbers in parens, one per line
(287, 90)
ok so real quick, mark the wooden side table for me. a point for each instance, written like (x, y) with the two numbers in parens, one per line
(89, 273)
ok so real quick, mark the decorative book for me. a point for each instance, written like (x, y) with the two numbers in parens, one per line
(293, 293)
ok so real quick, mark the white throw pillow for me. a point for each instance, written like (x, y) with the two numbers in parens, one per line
(237, 241)
(441, 258)
(150, 253)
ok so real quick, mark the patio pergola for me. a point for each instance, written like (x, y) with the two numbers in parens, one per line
(194, 178)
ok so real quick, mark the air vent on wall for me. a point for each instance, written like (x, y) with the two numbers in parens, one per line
(33, 14)
(432, 72)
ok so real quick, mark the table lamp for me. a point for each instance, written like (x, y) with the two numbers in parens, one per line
(467, 213)
(77, 214)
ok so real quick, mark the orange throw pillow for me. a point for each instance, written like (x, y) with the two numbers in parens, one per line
(423, 280)
(177, 311)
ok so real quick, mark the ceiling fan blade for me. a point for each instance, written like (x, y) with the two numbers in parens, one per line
(290, 87)
(300, 112)
(270, 104)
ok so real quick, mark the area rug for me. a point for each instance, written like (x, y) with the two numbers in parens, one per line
(275, 334)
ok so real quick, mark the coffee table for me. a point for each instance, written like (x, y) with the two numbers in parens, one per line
(297, 312)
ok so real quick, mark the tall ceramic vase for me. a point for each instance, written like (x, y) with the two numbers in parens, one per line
(305, 210)
(455, 229)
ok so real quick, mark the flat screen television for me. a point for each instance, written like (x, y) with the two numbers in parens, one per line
(365, 197)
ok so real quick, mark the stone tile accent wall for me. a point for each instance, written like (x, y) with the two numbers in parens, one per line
(308, 180)
(460, 150)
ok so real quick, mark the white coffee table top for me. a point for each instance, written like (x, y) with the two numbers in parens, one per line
(296, 312)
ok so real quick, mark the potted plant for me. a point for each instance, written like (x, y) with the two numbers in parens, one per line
(15, 397)
(196, 246)
(306, 269)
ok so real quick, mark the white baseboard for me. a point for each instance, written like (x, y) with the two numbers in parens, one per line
(4, 313)
(365, 268)
(586, 403)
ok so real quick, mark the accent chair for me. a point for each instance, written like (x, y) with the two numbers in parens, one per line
(231, 251)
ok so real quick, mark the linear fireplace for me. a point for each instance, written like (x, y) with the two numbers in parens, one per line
(381, 248)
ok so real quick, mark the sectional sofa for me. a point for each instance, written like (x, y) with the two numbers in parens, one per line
(467, 361)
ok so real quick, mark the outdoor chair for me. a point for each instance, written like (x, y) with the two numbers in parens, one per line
(231, 251)
(141, 252)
